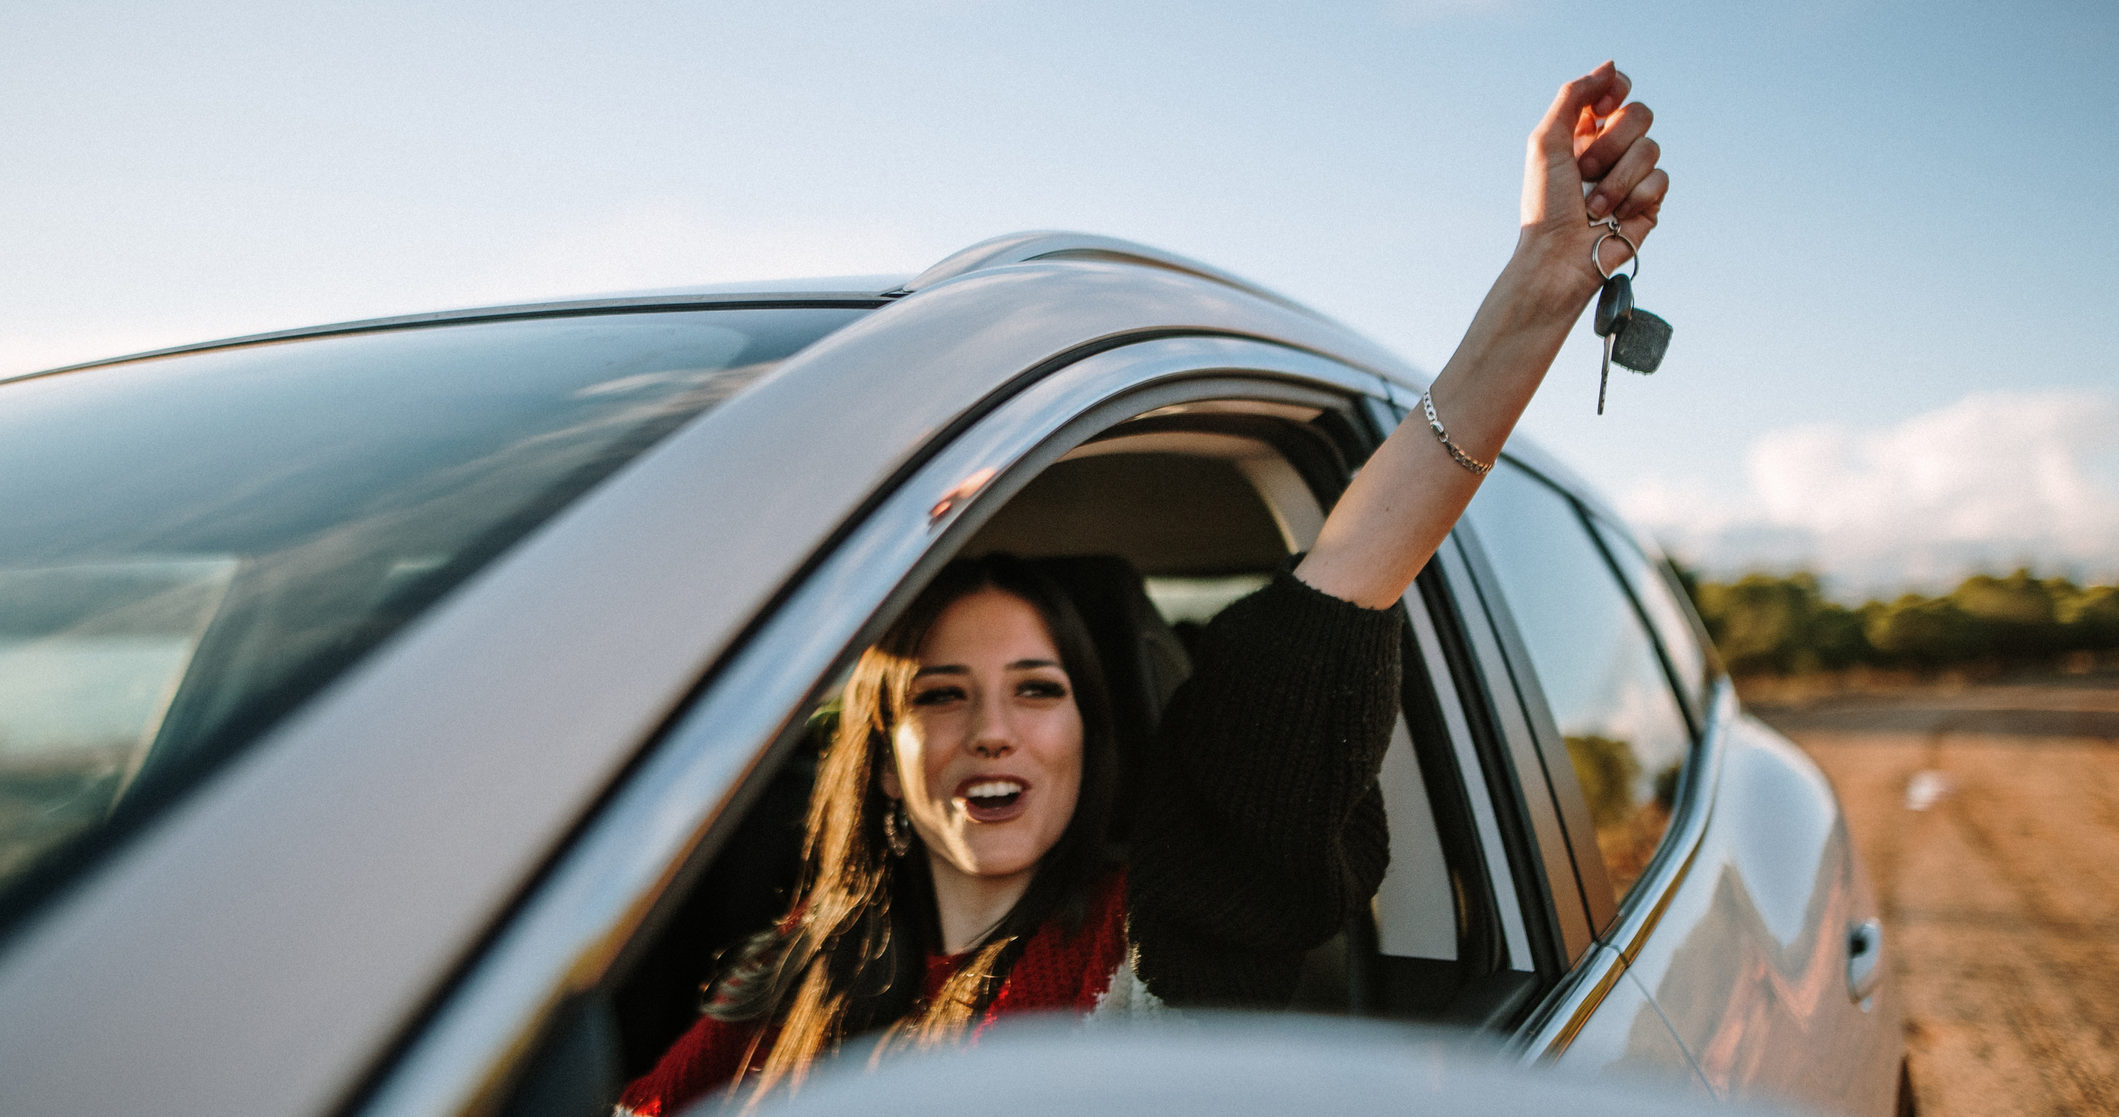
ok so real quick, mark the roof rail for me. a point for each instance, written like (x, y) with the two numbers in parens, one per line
(1022, 248)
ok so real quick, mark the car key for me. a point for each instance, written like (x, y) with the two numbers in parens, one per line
(1633, 337)
(1614, 309)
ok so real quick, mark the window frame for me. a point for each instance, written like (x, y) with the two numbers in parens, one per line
(1507, 951)
(1513, 777)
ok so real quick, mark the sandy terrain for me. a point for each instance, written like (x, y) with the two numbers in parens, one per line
(1989, 817)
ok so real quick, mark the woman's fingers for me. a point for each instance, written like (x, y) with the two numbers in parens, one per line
(1604, 85)
(1592, 135)
(1645, 198)
(1621, 130)
(1637, 216)
(1552, 189)
(1616, 184)
(1614, 93)
(1638, 213)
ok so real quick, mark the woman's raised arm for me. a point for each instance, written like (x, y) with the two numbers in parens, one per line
(1409, 495)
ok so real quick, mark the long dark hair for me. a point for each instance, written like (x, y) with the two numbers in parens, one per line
(850, 956)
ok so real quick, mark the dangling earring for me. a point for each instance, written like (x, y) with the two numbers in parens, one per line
(897, 829)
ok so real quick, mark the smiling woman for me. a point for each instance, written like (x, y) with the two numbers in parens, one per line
(961, 737)
(960, 866)
(988, 755)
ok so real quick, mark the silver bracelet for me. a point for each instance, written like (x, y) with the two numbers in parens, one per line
(1477, 467)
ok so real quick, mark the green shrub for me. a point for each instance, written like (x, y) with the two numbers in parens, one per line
(1785, 625)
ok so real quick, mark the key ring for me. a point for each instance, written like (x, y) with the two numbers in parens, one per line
(1596, 251)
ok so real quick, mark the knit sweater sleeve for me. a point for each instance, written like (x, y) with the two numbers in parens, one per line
(1259, 826)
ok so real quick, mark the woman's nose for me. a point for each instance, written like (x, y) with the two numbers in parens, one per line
(991, 736)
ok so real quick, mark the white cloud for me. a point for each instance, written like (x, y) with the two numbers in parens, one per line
(1997, 479)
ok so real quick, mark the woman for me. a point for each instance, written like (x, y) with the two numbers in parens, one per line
(957, 868)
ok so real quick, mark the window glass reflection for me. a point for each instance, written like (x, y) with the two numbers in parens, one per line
(1625, 733)
(1673, 629)
(191, 546)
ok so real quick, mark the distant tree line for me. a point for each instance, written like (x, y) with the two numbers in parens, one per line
(1768, 624)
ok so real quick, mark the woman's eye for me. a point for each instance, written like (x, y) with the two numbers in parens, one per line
(1042, 688)
(936, 696)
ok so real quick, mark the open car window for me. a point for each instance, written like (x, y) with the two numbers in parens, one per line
(1152, 528)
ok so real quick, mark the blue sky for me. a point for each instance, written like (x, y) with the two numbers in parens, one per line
(1888, 253)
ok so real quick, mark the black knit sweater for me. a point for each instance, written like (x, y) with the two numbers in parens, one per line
(1259, 825)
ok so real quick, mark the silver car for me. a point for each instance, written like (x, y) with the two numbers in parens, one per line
(395, 717)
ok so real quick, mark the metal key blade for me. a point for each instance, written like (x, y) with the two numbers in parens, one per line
(1604, 377)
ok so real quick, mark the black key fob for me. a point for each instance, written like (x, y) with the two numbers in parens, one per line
(1614, 305)
(1641, 342)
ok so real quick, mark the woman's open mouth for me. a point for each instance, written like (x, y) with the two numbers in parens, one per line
(992, 798)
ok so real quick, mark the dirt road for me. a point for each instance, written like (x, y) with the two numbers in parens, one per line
(1989, 818)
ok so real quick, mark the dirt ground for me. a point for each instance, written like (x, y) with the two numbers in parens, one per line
(1988, 814)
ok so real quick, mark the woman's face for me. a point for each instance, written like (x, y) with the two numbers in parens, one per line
(989, 750)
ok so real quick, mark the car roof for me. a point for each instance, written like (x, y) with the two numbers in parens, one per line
(830, 291)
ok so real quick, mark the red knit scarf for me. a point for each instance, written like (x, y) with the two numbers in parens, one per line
(1058, 971)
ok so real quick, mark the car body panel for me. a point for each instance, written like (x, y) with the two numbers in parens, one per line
(1748, 956)
(1627, 1035)
(1241, 1066)
(1738, 929)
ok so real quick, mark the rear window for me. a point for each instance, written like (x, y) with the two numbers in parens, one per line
(190, 546)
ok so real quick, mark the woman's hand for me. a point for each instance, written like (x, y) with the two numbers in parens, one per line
(1589, 135)
(1405, 500)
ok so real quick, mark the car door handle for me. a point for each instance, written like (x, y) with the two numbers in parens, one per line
(1865, 951)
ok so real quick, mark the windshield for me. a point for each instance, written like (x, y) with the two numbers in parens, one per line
(190, 546)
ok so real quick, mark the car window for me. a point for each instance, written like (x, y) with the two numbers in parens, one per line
(1626, 735)
(1416, 913)
(192, 545)
(1690, 667)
